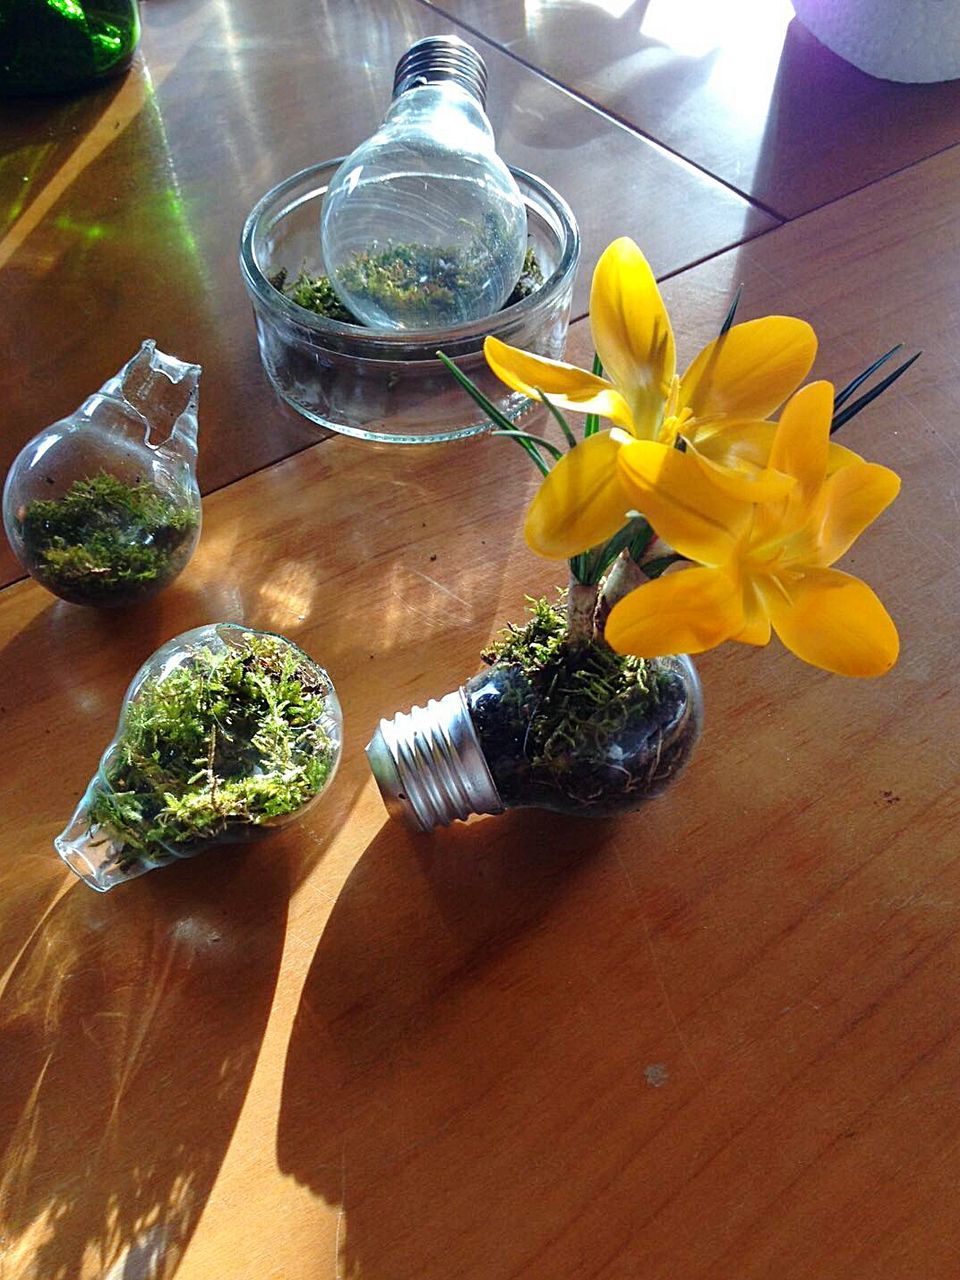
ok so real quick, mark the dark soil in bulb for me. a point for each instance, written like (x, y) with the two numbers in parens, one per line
(576, 727)
(417, 276)
(106, 542)
(222, 745)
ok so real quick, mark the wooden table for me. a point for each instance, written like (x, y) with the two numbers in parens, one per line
(717, 1039)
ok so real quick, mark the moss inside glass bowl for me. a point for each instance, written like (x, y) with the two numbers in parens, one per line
(390, 386)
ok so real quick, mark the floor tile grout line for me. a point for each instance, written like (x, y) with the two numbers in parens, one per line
(699, 262)
(584, 315)
(574, 319)
(718, 253)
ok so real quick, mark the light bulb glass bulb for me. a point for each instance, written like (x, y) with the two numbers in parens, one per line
(102, 507)
(475, 750)
(268, 722)
(423, 226)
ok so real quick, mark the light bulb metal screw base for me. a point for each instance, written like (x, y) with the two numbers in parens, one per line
(429, 765)
(437, 58)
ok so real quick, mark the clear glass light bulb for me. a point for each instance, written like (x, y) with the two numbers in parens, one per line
(423, 226)
(471, 751)
(102, 507)
(268, 759)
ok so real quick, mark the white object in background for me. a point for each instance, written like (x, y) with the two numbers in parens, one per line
(914, 41)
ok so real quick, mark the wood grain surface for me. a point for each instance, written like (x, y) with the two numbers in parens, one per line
(716, 1038)
(121, 210)
(739, 87)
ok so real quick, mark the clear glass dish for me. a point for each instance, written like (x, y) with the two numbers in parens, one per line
(389, 386)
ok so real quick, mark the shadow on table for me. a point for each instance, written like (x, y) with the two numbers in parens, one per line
(412, 1029)
(40, 661)
(831, 128)
(131, 1023)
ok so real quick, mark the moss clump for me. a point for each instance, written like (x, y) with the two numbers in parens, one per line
(226, 742)
(421, 278)
(531, 279)
(314, 293)
(576, 727)
(106, 542)
(415, 282)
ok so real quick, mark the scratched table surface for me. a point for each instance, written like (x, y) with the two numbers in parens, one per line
(716, 1038)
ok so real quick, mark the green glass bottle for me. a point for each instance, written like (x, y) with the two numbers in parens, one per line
(58, 46)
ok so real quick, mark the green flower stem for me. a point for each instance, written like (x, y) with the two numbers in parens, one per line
(560, 420)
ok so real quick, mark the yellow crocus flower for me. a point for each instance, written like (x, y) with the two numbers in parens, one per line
(717, 406)
(761, 565)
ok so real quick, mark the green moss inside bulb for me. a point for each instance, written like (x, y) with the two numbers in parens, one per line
(226, 742)
(551, 713)
(105, 541)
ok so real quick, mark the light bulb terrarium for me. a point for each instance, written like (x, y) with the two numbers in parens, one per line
(597, 711)
(549, 724)
(423, 225)
(225, 734)
(103, 508)
(387, 384)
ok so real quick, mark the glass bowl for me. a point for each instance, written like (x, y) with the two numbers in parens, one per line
(389, 386)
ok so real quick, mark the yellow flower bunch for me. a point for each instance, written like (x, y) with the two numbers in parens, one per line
(761, 510)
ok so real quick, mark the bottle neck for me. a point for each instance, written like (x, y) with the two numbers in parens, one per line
(429, 765)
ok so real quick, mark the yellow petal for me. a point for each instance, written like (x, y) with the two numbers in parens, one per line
(685, 507)
(748, 442)
(580, 503)
(839, 456)
(802, 442)
(833, 621)
(744, 441)
(566, 385)
(850, 501)
(751, 369)
(684, 612)
(756, 626)
(746, 484)
(756, 631)
(632, 333)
